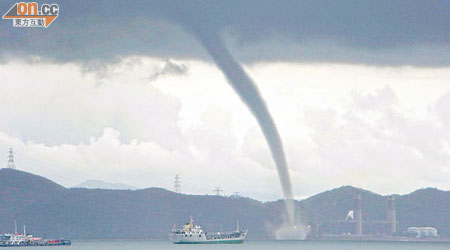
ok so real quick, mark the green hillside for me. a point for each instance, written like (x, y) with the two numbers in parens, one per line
(50, 210)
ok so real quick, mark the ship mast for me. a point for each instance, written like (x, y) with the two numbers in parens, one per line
(237, 226)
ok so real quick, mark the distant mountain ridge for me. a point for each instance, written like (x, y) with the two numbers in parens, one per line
(93, 184)
(51, 210)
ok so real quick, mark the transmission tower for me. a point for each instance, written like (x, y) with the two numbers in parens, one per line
(11, 159)
(217, 191)
(177, 184)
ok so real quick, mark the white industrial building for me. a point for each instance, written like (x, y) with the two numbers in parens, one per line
(423, 232)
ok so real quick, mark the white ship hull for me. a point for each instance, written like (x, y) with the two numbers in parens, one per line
(193, 234)
(208, 239)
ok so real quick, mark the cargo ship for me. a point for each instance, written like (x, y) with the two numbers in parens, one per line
(194, 234)
(26, 240)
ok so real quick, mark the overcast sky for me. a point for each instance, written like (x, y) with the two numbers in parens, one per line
(359, 90)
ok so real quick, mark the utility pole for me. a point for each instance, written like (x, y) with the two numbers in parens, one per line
(177, 184)
(236, 195)
(11, 159)
(217, 191)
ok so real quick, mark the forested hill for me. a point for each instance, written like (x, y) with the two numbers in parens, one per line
(51, 210)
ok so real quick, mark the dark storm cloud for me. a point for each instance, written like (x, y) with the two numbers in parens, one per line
(382, 32)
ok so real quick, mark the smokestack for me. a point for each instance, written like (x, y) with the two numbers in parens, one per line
(358, 214)
(316, 227)
(391, 216)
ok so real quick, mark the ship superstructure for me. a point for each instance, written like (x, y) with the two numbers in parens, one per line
(194, 234)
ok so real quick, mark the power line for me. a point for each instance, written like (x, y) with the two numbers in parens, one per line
(47, 169)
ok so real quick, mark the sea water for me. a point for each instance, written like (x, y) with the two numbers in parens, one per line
(248, 245)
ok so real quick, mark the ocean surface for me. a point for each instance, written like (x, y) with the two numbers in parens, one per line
(248, 245)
